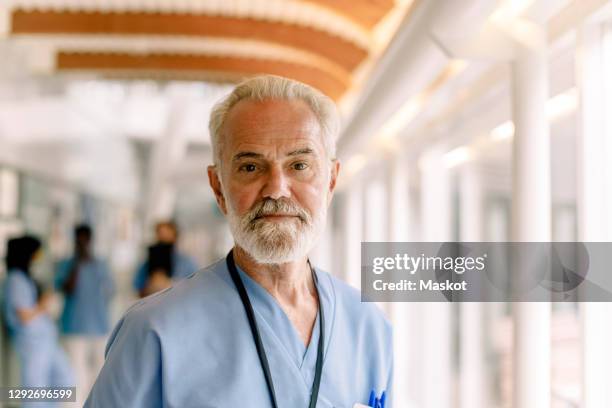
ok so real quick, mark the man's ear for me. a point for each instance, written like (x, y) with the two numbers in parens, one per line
(215, 184)
(335, 169)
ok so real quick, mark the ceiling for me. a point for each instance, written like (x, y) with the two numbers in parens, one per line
(325, 43)
(136, 72)
(125, 73)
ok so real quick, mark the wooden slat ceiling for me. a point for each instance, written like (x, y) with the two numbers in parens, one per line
(200, 63)
(86, 23)
(341, 52)
(366, 13)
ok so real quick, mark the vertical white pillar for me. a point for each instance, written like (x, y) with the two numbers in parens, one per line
(471, 203)
(592, 207)
(404, 315)
(437, 336)
(435, 197)
(374, 212)
(398, 204)
(473, 386)
(353, 228)
(531, 212)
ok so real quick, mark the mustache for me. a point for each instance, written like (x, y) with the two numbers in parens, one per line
(283, 206)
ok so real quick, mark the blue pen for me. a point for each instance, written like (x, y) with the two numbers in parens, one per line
(383, 398)
(372, 400)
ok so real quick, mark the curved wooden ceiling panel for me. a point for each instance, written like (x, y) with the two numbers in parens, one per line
(344, 53)
(191, 64)
(366, 13)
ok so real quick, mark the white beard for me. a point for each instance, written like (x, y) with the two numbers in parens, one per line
(272, 242)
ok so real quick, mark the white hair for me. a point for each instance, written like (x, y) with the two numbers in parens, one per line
(266, 87)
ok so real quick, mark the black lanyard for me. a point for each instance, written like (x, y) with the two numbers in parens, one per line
(246, 302)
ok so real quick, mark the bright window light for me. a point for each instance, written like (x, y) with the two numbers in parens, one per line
(503, 131)
(562, 104)
(457, 156)
(557, 107)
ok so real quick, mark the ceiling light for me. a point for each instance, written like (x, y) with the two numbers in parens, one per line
(503, 131)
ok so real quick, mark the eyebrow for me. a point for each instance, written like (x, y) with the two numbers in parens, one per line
(242, 155)
(305, 150)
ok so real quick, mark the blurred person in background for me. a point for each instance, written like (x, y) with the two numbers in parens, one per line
(153, 278)
(26, 312)
(159, 267)
(88, 287)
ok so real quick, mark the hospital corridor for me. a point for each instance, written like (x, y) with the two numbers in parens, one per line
(475, 121)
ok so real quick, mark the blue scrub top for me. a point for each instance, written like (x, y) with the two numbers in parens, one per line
(20, 293)
(191, 346)
(182, 266)
(86, 308)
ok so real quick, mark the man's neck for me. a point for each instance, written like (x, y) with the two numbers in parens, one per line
(292, 286)
(290, 283)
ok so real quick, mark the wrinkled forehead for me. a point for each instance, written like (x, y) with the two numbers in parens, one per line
(278, 125)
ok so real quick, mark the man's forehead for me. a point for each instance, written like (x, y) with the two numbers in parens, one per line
(255, 108)
(270, 116)
(287, 146)
(276, 124)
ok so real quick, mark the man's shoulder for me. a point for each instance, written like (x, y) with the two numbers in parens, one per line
(184, 264)
(182, 257)
(194, 295)
(348, 299)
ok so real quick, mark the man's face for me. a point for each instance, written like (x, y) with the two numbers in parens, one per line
(274, 180)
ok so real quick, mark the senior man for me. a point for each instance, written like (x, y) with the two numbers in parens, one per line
(261, 327)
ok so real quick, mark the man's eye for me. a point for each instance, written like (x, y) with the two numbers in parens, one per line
(300, 166)
(248, 168)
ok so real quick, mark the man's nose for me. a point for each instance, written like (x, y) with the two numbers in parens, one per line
(277, 184)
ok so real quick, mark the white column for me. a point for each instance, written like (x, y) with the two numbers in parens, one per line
(435, 197)
(352, 228)
(374, 212)
(436, 360)
(473, 386)
(404, 315)
(398, 204)
(531, 212)
(592, 205)
(471, 203)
